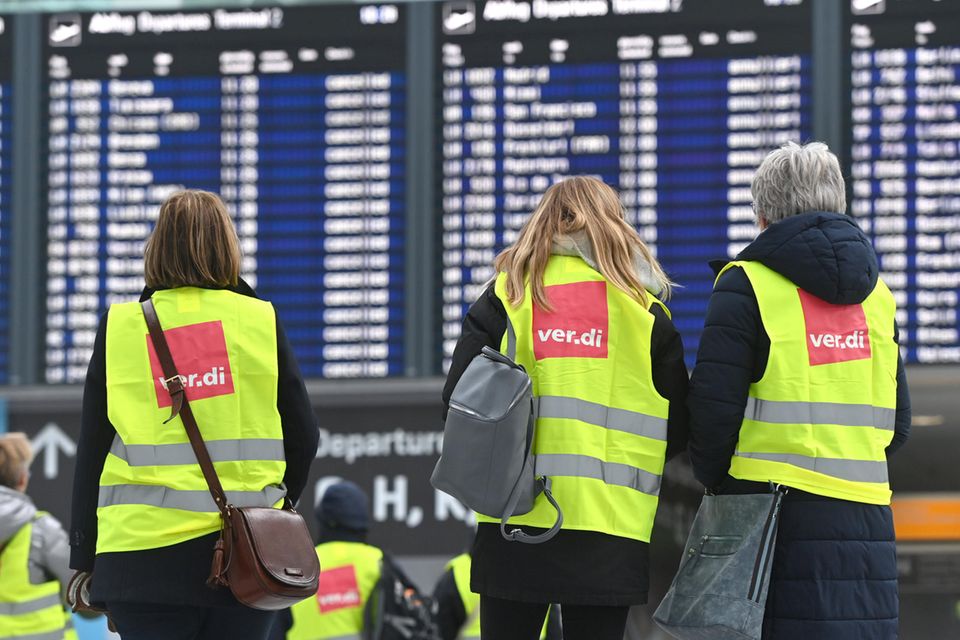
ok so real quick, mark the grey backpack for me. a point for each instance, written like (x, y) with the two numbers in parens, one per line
(487, 462)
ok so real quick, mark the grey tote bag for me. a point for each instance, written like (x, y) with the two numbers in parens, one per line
(720, 590)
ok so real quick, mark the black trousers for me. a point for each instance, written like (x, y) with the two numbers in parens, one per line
(511, 620)
(150, 621)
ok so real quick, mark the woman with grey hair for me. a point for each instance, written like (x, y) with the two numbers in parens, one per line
(799, 382)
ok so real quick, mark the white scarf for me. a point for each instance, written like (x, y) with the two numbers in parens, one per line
(578, 244)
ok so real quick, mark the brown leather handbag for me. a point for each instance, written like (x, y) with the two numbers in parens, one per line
(264, 555)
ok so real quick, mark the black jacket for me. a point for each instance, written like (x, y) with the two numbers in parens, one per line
(834, 572)
(174, 574)
(827, 255)
(575, 567)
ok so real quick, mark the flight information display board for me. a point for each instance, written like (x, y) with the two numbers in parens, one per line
(673, 103)
(6, 143)
(905, 162)
(296, 116)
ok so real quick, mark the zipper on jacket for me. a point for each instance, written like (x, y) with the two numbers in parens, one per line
(763, 554)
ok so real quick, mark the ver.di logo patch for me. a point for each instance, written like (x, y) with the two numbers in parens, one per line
(577, 326)
(338, 589)
(834, 332)
(200, 353)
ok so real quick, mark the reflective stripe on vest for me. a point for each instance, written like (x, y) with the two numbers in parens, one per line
(850, 415)
(597, 414)
(574, 466)
(823, 414)
(349, 571)
(46, 635)
(149, 455)
(199, 501)
(224, 344)
(27, 610)
(601, 424)
(29, 606)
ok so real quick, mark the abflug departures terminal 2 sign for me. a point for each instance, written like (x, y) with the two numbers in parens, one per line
(295, 115)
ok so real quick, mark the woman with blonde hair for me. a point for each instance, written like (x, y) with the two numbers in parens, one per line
(577, 295)
(144, 523)
(33, 553)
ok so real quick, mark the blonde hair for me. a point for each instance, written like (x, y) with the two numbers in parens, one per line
(578, 204)
(16, 454)
(194, 243)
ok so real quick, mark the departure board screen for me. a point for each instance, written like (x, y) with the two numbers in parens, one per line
(673, 103)
(296, 116)
(6, 142)
(905, 162)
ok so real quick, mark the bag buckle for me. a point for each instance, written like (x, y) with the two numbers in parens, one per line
(174, 384)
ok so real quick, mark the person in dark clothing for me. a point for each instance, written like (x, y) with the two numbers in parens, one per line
(597, 566)
(458, 609)
(154, 587)
(834, 572)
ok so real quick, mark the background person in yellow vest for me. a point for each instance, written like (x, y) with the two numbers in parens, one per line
(579, 289)
(799, 382)
(350, 569)
(143, 518)
(458, 608)
(34, 553)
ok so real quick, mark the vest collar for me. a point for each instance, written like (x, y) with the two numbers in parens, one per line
(578, 244)
(242, 288)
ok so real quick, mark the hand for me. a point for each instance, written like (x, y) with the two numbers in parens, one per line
(78, 593)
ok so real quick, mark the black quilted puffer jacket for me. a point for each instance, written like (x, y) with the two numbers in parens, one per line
(834, 573)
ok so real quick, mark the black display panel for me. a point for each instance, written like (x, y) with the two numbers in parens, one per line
(673, 103)
(905, 161)
(295, 115)
(6, 148)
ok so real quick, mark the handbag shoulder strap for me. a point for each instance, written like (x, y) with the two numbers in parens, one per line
(181, 407)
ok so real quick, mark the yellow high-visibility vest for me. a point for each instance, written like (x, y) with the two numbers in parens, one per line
(823, 413)
(28, 611)
(152, 492)
(601, 432)
(349, 571)
(471, 601)
(460, 566)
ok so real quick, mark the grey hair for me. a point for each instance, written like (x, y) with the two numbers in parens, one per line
(798, 178)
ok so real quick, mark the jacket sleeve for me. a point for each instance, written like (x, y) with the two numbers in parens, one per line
(901, 430)
(670, 378)
(450, 612)
(96, 436)
(726, 365)
(299, 424)
(281, 625)
(53, 550)
(483, 326)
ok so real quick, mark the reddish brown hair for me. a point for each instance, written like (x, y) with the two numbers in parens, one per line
(194, 243)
